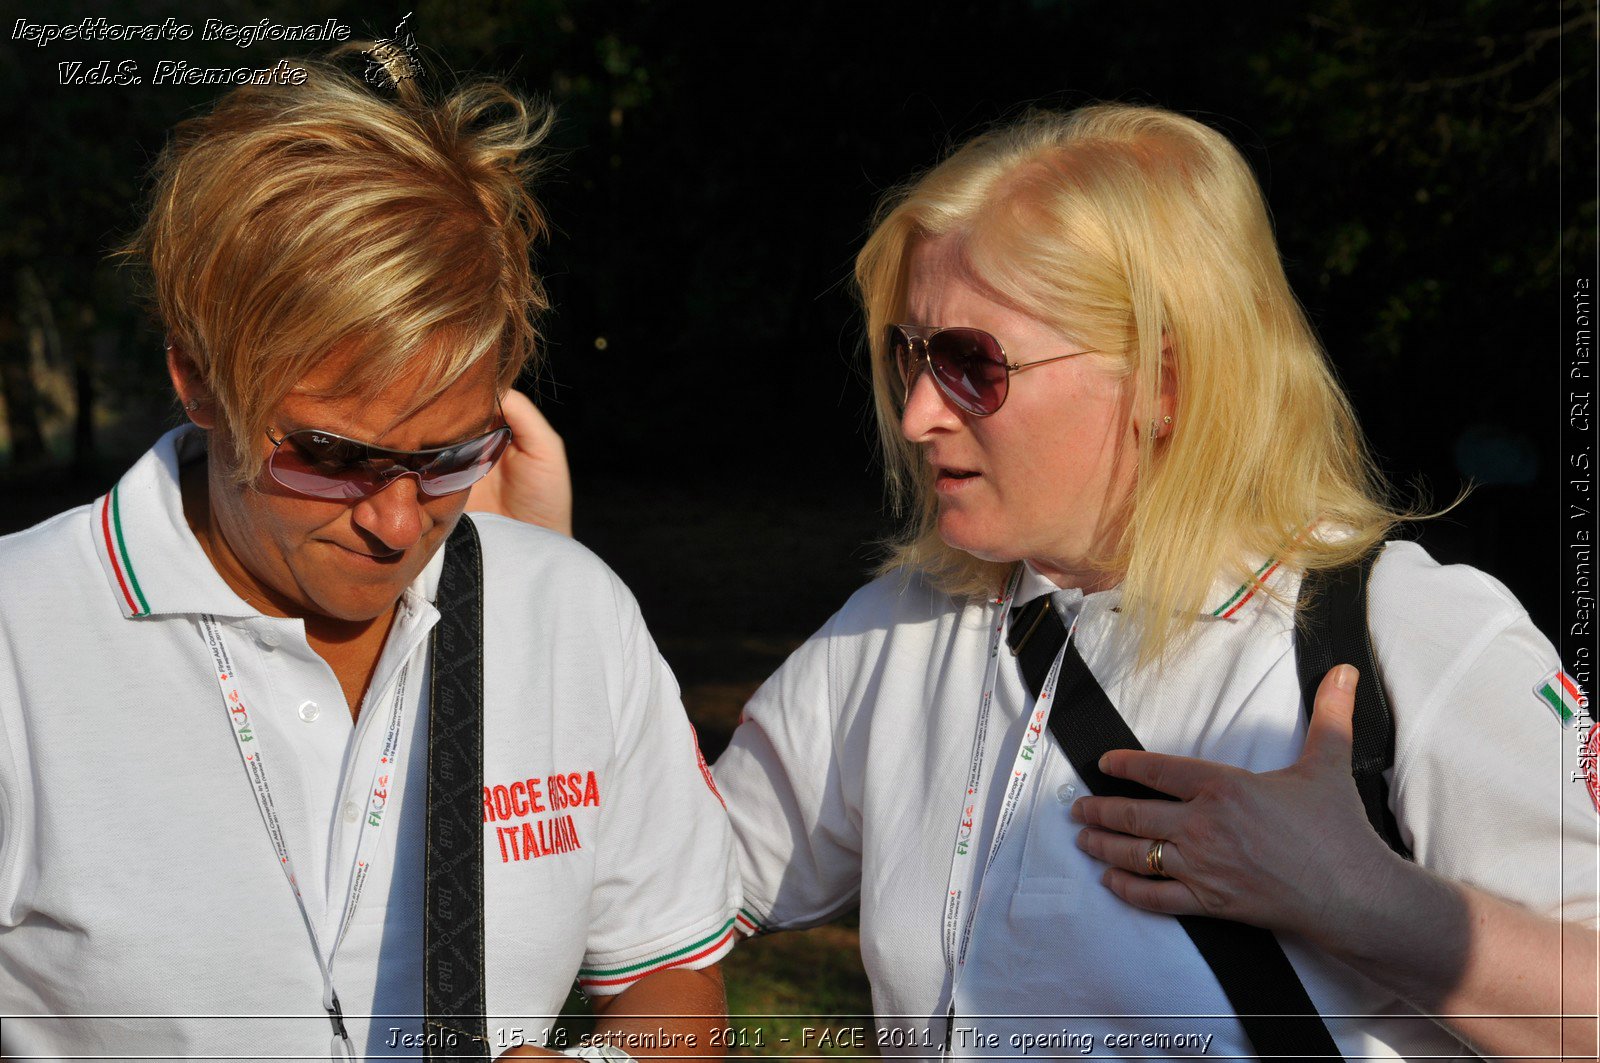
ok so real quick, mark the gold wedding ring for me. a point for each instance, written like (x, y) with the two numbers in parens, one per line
(1152, 859)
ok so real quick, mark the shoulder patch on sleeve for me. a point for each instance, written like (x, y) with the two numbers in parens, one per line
(1562, 696)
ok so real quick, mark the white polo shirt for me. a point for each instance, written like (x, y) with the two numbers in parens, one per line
(138, 883)
(846, 781)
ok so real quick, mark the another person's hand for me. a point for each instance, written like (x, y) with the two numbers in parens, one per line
(1286, 850)
(531, 482)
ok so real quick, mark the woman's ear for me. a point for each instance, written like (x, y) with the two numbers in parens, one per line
(1167, 398)
(192, 392)
(1158, 421)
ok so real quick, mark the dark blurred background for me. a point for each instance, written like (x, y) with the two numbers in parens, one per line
(716, 165)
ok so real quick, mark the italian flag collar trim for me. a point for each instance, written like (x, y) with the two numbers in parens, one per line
(1247, 590)
(114, 548)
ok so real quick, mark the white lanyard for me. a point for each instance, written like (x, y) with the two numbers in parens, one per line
(384, 779)
(958, 921)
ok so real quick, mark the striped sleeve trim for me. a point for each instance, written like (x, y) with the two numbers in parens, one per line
(749, 924)
(704, 951)
(116, 548)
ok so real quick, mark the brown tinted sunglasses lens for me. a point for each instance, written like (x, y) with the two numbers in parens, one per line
(970, 368)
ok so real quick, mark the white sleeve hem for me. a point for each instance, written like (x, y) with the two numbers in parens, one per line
(698, 947)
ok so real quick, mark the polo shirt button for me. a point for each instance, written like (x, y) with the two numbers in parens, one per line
(1064, 793)
(269, 639)
(352, 812)
(309, 711)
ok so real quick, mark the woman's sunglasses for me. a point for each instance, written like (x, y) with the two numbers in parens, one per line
(324, 465)
(968, 364)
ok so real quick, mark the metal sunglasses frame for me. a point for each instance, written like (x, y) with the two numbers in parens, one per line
(916, 334)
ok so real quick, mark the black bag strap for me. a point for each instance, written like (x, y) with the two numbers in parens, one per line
(1272, 1006)
(455, 1024)
(1330, 629)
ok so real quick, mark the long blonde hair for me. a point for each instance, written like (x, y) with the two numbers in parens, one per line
(293, 219)
(1134, 230)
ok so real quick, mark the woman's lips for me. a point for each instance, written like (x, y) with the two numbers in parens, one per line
(948, 479)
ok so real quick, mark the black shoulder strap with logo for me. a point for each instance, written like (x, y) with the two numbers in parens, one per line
(1331, 628)
(452, 932)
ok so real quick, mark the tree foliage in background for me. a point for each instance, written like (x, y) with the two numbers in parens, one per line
(717, 165)
(1442, 145)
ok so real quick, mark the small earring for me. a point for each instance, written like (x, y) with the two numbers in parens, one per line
(192, 405)
(1156, 430)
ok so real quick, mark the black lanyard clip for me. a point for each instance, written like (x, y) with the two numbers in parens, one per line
(336, 1016)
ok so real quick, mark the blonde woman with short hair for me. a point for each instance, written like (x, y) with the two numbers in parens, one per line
(216, 767)
(1108, 419)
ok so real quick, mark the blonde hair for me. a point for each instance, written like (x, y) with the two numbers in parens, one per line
(294, 219)
(1134, 229)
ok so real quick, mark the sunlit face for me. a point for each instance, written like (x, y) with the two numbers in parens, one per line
(343, 560)
(1044, 477)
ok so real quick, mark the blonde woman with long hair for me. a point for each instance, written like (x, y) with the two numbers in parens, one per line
(1058, 752)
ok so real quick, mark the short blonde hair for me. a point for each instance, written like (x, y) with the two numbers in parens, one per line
(293, 219)
(1134, 229)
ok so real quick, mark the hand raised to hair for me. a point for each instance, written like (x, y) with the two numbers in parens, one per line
(531, 481)
(1286, 850)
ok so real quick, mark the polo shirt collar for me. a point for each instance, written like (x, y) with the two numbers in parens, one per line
(1226, 599)
(1230, 598)
(152, 561)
